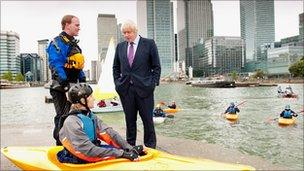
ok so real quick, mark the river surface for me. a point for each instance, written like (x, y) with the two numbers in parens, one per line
(254, 133)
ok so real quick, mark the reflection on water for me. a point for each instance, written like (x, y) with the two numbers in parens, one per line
(200, 118)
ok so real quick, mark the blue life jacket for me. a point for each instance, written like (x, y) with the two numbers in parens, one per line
(231, 109)
(287, 114)
(89, 126)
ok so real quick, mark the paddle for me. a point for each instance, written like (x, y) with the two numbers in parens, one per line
(241, 103)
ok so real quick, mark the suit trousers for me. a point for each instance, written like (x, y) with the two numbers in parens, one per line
(133, 103)
(62, 107)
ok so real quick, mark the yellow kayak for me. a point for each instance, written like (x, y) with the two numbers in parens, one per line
(287, 121)
(169, 110)
(45, 158)
(232, 117)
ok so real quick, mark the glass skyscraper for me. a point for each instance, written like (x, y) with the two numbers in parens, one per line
(155, 21)
(45, 70)
(257, 26)
(194, 22)
(9, 58)
(301, 27)
(31, 66)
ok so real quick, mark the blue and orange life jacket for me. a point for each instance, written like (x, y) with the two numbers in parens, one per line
(287, 114)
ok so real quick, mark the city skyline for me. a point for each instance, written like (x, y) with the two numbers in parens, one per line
(33, 22)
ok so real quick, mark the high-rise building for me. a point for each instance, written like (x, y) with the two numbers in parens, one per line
(120, 37)
(194, 22)
(281, 58)
(155, 21)
(257, 26)
(94, 70)
(301, 27)
(106, 29)
(31, 66)
(46, 72)
(10, 49)
(222, 55)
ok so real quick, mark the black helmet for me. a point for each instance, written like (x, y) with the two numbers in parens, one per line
(79, 91)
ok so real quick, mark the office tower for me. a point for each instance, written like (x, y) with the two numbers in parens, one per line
(31, 66)
(45, 70)
(9, 58)
(222, 54)
(120, 37)
(106, 29)
(194, 22)
(155, 21)
(301, 27)
(87, 74)
(257, 26)
(94, 70)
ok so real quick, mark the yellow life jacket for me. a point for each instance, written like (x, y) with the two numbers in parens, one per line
(75, 59)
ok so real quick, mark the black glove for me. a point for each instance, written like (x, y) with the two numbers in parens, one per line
(65, 85)
(131, 155)
(295, 115)
(139, 149)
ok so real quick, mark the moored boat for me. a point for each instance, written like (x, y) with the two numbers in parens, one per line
(107, 109)
(45, 158)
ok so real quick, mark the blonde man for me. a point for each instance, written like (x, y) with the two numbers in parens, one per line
(136, 72)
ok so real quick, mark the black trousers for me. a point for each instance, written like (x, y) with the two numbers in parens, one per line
(132, 103)
(62, 106)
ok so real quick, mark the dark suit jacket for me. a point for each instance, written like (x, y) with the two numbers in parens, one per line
(145, 71)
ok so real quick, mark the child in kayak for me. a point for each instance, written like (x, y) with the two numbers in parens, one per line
(288, 113)
(158, 111)
(85, 137)
(232, 109)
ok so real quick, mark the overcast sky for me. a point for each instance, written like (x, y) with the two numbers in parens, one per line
(36, 20)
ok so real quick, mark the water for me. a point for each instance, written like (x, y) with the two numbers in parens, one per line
(200, 118)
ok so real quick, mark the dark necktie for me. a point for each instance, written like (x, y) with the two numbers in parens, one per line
(131, 53)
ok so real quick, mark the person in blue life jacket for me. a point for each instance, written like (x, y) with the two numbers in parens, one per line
(66, 63)
(86, 138)
(158, 111)
(288, 113)
(232, 109)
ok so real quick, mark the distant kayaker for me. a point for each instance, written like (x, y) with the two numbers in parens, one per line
(232, 109)
(288, 113)
(288, 90)
(85, 137)
(280, 91)
(114, 101)
(158, 112)
(172, 106)
(101, 103)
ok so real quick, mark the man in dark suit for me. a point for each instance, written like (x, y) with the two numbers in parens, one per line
(136, 72)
